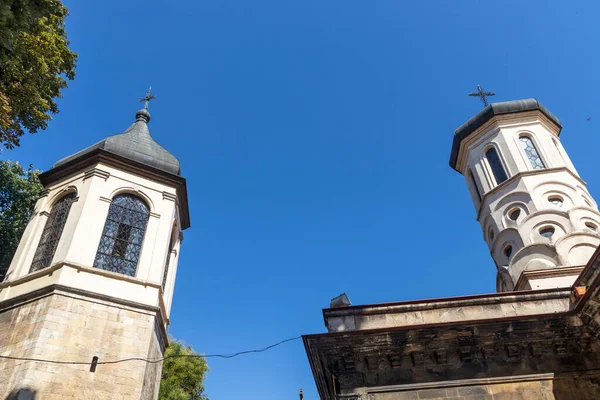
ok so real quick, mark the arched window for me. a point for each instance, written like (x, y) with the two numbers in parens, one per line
(496, 165)
(475, 185)
(121, 242)
(52, 232)
(560, 151)
(531, 152)
(166, 271)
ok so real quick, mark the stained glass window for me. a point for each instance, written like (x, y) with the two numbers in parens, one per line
(52, 232)
(496, 165)
(124, 230)
(531, 153)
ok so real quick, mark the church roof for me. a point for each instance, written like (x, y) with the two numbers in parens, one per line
(506, 107)
(134, 144)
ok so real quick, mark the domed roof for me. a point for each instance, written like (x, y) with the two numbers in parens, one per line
(135, 144)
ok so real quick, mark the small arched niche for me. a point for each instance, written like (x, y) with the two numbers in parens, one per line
(547, 232)
(514, 214)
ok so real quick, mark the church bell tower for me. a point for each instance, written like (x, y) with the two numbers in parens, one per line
(538, 219)
(93, 276)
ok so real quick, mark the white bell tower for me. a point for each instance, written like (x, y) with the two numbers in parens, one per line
(94, 273)
(537, 216)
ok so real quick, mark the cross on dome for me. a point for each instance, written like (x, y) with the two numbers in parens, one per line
(149, 96)
(482, 95)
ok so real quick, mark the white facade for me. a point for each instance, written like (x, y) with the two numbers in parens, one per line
(540, 222)
(95, 181)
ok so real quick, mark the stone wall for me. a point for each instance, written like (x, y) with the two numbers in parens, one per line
(72, 327)
(554, 388)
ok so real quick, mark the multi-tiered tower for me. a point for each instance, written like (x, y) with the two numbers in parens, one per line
(94, 273)
(537, 216)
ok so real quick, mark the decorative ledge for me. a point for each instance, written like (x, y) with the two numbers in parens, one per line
(169, 196)
(96, 172)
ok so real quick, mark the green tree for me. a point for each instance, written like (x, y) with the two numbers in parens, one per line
(19, 190)
(35, 63)
(182, 377)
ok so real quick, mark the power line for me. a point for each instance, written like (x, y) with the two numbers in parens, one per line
(150, 361)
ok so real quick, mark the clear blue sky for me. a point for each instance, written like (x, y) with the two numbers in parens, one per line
(315, 137)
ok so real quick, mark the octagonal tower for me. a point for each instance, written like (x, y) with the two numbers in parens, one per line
(94, 273)
(537, 216)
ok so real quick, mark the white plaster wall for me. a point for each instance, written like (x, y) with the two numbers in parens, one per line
(83, 229)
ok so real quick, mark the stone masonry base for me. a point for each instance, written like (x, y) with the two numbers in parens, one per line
(64, 326)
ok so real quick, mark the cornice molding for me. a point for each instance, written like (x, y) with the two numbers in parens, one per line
(169, 196)
(75, 166)
(96, 172)
(554, 272)
(56, 289)
(461, 383)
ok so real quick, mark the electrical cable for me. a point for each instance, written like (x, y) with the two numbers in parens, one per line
(150, 361)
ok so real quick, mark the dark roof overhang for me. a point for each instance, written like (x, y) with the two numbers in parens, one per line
(77, 164)
(492, 110)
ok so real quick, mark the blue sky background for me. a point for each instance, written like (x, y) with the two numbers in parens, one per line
(315, 137)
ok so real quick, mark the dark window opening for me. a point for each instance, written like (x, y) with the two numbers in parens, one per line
(52, 233)
(496, 165)
(475, 186)
(547, 232)
(514, 214)
(164, 282)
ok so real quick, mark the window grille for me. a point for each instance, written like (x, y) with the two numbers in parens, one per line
(124, 230)
(52, 232)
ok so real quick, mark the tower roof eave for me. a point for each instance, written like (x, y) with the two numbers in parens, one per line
(492, 110)
(94, 155)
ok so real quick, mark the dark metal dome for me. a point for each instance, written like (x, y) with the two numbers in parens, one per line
(135, 144)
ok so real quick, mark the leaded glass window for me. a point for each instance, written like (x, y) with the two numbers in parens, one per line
(531, 152)
(496, 165)
(52, 232)
(124, 230)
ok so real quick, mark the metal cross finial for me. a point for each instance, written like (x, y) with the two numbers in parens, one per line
(482, 95)
(149, 96)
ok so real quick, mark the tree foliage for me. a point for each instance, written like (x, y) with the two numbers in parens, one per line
(19, 190)
(35, 63)
(182, 377)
